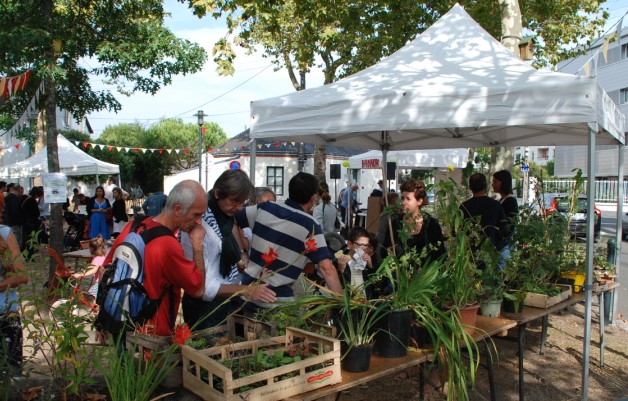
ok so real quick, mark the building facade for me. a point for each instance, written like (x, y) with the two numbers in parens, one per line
(612, 75)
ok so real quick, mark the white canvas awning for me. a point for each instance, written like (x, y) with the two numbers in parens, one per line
(72, 161)
(434, 158)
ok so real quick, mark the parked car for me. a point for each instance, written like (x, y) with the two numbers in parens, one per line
(624, 226)
(560, 203)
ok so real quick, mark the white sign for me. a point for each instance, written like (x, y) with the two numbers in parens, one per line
(55, 185)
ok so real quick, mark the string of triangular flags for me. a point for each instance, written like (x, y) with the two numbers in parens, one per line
(13, 148)
(23, 120)
(592, 61)
(11, 85)
(130, 149)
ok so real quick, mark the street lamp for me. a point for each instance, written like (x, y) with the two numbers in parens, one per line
(199, 115)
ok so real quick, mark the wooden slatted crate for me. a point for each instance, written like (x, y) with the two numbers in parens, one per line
(205, 372)
(545, 301)
(235, 327)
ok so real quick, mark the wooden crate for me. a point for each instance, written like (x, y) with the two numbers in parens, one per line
(235, 327)
(545, 301)
(204, 375)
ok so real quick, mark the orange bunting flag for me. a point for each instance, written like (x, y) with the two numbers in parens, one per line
(17, 146)
(85, 144)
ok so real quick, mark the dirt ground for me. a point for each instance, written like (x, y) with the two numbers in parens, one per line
(556, 375)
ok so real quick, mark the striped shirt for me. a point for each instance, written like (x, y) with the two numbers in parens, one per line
(285, 228)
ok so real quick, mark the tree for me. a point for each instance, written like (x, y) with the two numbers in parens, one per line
(123, 41)
(343, 37)
(147, 169)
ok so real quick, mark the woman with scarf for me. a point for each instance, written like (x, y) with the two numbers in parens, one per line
(223, 255)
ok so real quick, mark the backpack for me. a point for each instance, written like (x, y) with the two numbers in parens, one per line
(122, 299)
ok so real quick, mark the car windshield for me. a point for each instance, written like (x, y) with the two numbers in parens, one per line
(562, 205)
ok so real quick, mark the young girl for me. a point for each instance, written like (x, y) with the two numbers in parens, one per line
(98, 249)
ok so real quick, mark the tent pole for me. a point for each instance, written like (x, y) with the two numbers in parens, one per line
(252, 159)
(588, 285)
(620, 214)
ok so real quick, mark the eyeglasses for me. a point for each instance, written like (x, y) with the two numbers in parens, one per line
(359, 245)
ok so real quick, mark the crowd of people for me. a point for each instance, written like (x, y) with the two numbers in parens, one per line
(236, 248)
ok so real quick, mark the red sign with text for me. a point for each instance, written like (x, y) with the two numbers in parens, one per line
(370, 163)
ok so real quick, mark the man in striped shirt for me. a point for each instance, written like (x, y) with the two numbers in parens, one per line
(285, 238)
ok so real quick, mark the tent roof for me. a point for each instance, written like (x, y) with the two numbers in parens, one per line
(436, 158)
(452, 86)
(72, 161)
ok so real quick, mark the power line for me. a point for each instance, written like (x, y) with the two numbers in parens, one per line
(223, 94)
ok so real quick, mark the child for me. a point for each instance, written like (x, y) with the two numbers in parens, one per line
(98, 249)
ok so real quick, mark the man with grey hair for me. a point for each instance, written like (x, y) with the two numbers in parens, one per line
(166, 269)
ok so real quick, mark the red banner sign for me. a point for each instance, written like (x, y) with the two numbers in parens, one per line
(370, 163)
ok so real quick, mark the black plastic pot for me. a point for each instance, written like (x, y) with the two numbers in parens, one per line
(509, 306)
(419, 337)
(357, 359)
(393, 333)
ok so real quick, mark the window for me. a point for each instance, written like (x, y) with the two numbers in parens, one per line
(623, 96)
(274, 179)
(543, 153)
(624, 52)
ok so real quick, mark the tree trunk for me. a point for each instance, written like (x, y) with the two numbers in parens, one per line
(50, 110)
(320, 167)
(503, 158)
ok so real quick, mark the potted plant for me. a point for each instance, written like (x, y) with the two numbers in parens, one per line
(354, 316)
(492, 287)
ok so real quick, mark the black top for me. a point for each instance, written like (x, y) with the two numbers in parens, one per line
(492, 217)
(511, 210)
(12, 212)
(30, 212)
(119, 211)
(430, 236)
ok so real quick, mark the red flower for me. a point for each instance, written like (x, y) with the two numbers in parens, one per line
(310, 245)
(181, 334)
(270, 256)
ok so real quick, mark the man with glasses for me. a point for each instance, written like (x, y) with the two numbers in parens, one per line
(286, 238)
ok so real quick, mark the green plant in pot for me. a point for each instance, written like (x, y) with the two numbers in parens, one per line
(356, 319)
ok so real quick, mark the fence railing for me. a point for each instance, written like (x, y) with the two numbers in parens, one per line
(605, 191)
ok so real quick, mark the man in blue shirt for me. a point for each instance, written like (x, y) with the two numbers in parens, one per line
(154, 203)
(349, 203)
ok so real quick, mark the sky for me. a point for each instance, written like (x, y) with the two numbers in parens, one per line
(225, 99)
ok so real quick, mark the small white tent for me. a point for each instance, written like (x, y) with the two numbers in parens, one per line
(435, 158)
(72, 161)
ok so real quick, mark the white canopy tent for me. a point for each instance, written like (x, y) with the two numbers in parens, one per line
(453, 86)
(72, 161)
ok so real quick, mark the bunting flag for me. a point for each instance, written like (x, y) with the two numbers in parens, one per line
(11, 85)
(605, 50)
(620, 23)
(136, 150)
(30, 109)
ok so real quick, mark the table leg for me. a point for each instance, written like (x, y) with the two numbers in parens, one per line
(521, 344)
(544, 334)
(489, 368)
(422, 373)
(600, 298)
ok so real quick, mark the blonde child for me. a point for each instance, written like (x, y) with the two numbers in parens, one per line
(98, 249)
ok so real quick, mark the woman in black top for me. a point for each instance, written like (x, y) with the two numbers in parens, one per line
(502, 185)
(424, 231)
(120, 218)
(30, 219)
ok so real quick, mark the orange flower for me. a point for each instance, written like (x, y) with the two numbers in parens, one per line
(310, 245)
(270, 256)
(181, 334)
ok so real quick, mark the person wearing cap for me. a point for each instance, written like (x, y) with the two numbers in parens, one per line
(378, 191)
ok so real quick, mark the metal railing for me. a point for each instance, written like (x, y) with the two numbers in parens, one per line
(605, 191)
